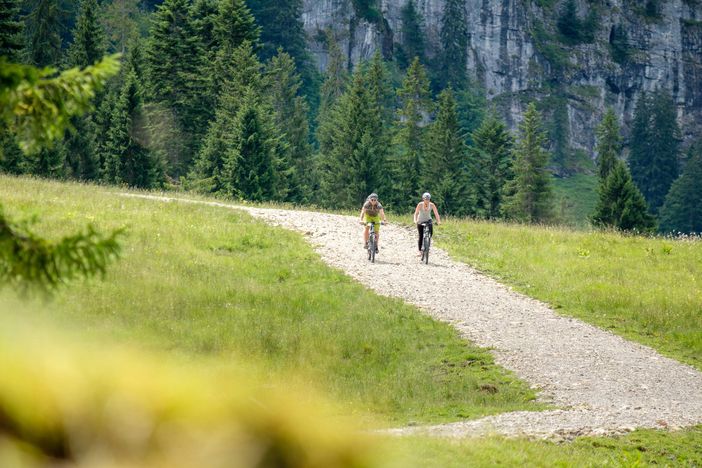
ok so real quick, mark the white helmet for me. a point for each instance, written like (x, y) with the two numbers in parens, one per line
(426, 196)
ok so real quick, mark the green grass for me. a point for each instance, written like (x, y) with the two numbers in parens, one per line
(646, 289)
(576, 198)
(194, 285)
(640, 448)
(206, 281)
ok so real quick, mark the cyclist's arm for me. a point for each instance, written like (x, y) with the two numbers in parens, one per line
(363, 211)
(436, 213)
(382, 215)
(416, 212)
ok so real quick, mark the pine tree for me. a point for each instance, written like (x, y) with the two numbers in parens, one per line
(241, 74)
(561, 152)
(79, 148)
(609, 144)
(11, 45)
(621, 204)
(655, 143)
(175, 72)
(454, 45)
(336, 76)
(204, 15)
(222, 32)
(446, 171)
(380, 115)
(492, 156)
(667, 137)
(335, 83)
(530, 198)
(235, 24)
(135, 57)
(47, 162)
(12, 161)
(416, 105)
(472, 107)
(151, 5)
(103, 121)
(682, 210)
(121, 19)
(282, 86)
(88, 45)
(568, 23)
(351, 167)
(44, 28)
(11, 30)
(380, 89)
(249, 167)
(413, 43)
(127, 160)
(619, 44)
(640, 155)
(281, 28)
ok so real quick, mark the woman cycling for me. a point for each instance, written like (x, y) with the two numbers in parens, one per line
(371, 212)
(422, 214)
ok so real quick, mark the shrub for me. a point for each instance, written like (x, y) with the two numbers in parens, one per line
(73, 405)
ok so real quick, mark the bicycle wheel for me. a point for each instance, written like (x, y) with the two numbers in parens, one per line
(425, 252)
(371, 248)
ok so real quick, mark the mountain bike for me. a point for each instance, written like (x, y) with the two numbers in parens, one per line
(372, 241)
(426, 241)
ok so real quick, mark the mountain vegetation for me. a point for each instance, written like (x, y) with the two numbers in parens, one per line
(222, 97)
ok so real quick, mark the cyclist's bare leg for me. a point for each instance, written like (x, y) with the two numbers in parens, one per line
(365, 234)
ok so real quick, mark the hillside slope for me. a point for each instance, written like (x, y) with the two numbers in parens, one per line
(604, 383)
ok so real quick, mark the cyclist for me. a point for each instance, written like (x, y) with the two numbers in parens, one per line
(371, 212)
(422, 214)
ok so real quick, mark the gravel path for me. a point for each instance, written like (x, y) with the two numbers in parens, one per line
(603, 383)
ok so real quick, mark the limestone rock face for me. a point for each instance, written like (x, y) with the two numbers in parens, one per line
(514, 51)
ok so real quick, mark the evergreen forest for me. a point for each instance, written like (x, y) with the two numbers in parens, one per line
(222, 97)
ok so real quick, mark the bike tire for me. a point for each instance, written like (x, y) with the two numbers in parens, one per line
(371, 249)
(425, 252)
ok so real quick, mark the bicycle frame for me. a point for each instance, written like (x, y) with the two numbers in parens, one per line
(372, 241)
(426, 240)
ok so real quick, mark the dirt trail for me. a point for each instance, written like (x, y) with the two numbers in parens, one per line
(603, 383)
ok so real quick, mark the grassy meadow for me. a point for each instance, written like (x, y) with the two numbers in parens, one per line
(637, 449)
(645, 289)
(576, 198)
(208, 281)
(236, 329)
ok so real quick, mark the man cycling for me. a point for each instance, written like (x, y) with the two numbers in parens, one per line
(422, 214)
(371, 212)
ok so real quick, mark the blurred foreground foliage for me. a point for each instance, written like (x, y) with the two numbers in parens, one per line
(75, 406)
(29, 260)
(36, 106)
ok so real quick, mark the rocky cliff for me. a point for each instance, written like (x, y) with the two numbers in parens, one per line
(515, 51)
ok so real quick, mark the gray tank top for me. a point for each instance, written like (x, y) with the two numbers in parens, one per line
(424, 215)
